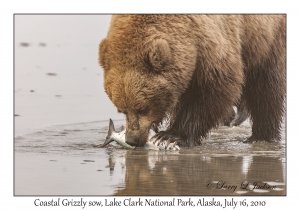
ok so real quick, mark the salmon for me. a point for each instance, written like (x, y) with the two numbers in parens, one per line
(151, 144)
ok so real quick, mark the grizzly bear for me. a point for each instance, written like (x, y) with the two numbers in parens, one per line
(191, 70)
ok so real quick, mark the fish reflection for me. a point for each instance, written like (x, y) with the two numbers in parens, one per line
(114, 158)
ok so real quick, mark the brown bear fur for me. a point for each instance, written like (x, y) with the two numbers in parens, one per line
(238, 117)
(192, 69)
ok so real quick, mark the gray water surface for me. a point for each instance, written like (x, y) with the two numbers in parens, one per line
(65, 160)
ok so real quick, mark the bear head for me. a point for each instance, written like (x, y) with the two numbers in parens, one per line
(144, 72)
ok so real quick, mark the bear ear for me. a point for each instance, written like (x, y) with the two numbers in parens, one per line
(103, 54)
(159, 54)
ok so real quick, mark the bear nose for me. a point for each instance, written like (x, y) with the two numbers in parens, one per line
(132, 141)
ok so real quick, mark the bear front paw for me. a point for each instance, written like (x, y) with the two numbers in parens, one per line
(166, 140)
(164, 144)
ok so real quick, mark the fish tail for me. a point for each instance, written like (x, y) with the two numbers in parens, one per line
(111, 129)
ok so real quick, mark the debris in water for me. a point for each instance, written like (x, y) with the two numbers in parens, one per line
(42, 44)
(51, 74)
(88, 160)
(24, 44)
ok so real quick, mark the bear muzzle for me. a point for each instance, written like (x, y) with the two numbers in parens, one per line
(132, 141)
(136, 140)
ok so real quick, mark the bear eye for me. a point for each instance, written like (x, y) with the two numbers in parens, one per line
(143, 111)
(122, 112)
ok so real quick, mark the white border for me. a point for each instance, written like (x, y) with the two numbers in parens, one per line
(8, 8)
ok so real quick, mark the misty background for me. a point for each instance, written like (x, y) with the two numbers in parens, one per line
(57, 77)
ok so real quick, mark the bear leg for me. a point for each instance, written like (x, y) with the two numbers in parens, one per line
(200, 109)
(265, 97)
(188, 122)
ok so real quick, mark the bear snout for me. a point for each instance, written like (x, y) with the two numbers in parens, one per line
(132, 141)
(136, 139)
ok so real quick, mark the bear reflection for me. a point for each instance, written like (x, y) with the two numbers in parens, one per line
(174, 173)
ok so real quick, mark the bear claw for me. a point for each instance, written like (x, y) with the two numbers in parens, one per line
(167, 145)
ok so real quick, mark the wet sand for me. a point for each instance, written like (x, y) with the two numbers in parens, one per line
(65, 160)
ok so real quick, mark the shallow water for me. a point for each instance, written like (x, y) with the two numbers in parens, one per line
(65, 160)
